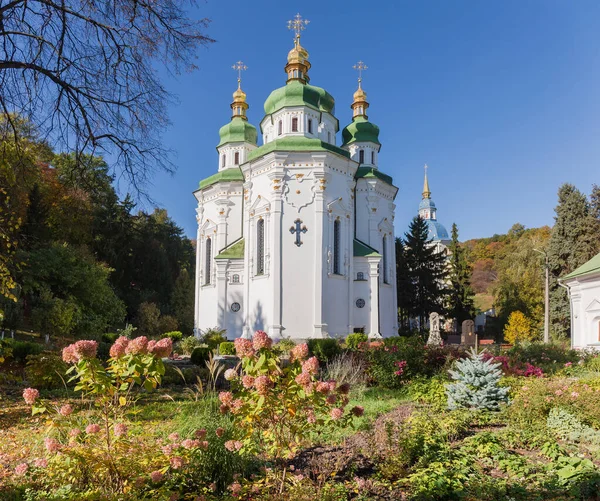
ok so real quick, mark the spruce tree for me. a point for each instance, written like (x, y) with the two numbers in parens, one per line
(461, 305)
(573, 242)
(476, 384)
(427, 272)
(403, 285)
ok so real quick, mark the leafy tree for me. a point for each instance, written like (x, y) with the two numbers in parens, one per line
(403, 285)
(167, 323)
(574, 241)
(86, 71)
(182, 301)
(460, 294)
(518, 328)
(148, 319)
(427, 272)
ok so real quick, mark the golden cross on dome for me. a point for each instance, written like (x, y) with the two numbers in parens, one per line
(298, 25)
(360, 67)
(239, 67)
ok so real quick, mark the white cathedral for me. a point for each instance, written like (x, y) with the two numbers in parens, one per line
(296, 236)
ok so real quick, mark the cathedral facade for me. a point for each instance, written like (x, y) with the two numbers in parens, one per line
(296, 236)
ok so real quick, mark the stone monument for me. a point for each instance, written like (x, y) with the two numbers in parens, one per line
(434, 329)
(468, 337)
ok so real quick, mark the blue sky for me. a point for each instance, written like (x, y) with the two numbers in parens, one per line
(501, 99)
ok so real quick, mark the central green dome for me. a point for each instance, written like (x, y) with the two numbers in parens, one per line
(360, 130)
(296, 93)
(238, 131)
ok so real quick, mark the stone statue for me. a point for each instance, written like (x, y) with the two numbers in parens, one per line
(434, 329)
(468, 336)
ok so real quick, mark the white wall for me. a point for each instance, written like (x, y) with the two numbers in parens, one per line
(584, 294)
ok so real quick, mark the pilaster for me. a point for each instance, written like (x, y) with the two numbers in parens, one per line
(374, 304)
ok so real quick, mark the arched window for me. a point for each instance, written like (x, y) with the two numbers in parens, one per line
(222, 160)
(235, 279)
(208, 261)
(361, 156)
(337, 227)
(328, 136)
(237, 158)
(260, 247)
(372, 158)
(309, 126)
(294, 124)
(280, 128)
(385, 260)
(360, 276)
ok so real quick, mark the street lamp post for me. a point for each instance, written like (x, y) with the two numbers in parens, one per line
(546, 297)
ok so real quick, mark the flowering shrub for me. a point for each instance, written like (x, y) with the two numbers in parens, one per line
(276, 407)
(512, 367)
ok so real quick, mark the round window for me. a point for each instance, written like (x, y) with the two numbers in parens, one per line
(235, 307)
(360, 303)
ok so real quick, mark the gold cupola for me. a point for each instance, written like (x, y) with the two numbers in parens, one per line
(297, 61)
(239, 104)
(360, 104)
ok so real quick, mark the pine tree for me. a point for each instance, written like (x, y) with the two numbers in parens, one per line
(427, 272)
(460, 295)
(404, 285)
(476, 384)
(573, 242)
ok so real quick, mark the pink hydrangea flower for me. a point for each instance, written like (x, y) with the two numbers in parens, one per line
(235, 488)
(66, 410)
(304, 379)
(310, 416)
(117, 350)
(162, 348)
(311, 365)
(174, 437)
(137, 346)
(230, 445)
(220, 432)
(188, 443)
(120, 429)
(81, 350)
(357, 410)
(262, 385)
(243, 348)
(30, 395)
(226, 397)
(322, 387)
(574, 394)
(344, 389)
(261, 340)
(336, 413)
(236, 405)
(331, 399)
(176, 462)
(52, 445)
(156, 476)
(167, 449)
(200, 433)
(40, 463)
(247, 382)
(230, 374)
(75, 432)
(21, 469)
(558, 392)
(332, 385)
(90, 429)
(299, 352)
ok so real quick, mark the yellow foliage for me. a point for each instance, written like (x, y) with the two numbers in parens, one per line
(518, 328)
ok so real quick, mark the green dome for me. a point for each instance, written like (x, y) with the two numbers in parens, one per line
(296, 93)
(238, 131)
(360, 130)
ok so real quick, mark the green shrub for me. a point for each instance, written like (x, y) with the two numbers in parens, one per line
(187, 344)
(227, 348)
(22, 349)
(104, 351)
(568, 427)
(200, 355)
(324, 349)
(173, 335)
(45, 371)
(354, 340)
(549, 357)
(214, 337)
(109, 337)
(284, 346)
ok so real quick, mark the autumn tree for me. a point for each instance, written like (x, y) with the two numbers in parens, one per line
(518, 328)
(85, 71)
(460, 293)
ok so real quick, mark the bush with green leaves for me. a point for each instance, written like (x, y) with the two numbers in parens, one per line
(324, 349)
(284, 346)
(109, 337)
(214, 337)
(46, 370)
(227, 348)
(174, 335)
(200, 355)
(568, 427)
(188, 343)
(476, 384)
(353, 341)
(22, 349)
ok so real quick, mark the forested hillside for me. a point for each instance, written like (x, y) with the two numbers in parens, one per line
(78, 260)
